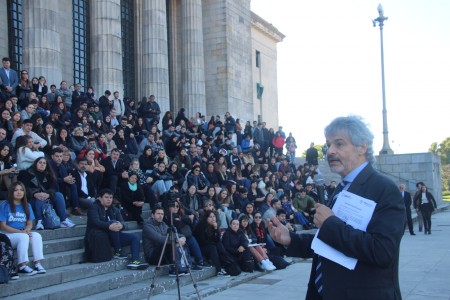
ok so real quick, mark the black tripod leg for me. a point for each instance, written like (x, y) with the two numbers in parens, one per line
(194, 283)
(158, 267)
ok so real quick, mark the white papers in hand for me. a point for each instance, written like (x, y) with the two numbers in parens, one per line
(357, 212)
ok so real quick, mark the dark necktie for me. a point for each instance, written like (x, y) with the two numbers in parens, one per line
(319, 271)
(337, 191)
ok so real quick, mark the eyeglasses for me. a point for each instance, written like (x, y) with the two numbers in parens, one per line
(258, 217)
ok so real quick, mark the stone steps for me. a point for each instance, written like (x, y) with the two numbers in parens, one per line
(70, 277)
(85, 281)
(162, 283)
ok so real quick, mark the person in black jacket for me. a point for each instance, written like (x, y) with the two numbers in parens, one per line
(408, 201)
(377, 248)
(84, 183)
(115, 171)
(207, 234)
(425, 203)
(103, 216)
(236, 244)
(133, 198)
(185, 224)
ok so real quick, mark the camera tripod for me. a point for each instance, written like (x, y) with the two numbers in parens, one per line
(172, 234)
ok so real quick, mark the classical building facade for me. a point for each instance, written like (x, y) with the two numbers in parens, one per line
(205, 56)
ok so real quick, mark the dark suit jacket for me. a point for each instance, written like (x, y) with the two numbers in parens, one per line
(377, 250)
(110, 170)
(90, 184)
(407, 200)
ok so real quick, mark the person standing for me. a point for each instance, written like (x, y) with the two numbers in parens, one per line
(408, 201)
(119, 105)
(425, 203)
(8, 77)
(312, 155)
(350, 155)
(65, 93)
(105, 104)
(77, 97)
(419, 213)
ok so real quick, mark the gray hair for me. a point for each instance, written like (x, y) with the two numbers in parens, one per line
(358, 133)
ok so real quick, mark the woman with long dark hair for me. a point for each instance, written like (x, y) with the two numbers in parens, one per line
(24, 88)
(16, 119)
(40, 87)
(16, 221)
(258, 252)
(6, 123)
(167, 120)
(8, 171)
(42, 186)
(426, 204)
(147, 160)
(185, 224)
(50, 137)
(207, 234)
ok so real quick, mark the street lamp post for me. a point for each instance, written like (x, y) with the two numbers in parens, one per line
(380, 20)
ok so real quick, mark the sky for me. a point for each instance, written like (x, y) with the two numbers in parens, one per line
(329, 65)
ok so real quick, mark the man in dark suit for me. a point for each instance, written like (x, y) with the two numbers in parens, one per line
(115, 170)
(8, 77)
(77, 97)
(408, 201)
(85, 184)
(375, 276)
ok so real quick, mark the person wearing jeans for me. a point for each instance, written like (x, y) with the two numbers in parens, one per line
(42, 186)
(102, 215)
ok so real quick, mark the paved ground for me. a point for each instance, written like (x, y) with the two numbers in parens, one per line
(424, 273)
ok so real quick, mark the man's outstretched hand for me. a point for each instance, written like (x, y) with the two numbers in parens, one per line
(278, 231)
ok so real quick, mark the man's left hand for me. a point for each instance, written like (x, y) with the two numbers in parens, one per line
(322, 213)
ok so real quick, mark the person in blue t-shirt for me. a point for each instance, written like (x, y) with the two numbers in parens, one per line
(16, 221)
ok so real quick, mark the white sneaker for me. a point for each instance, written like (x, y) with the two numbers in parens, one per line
(39, 225)
(39, 269)
(27, 271)
(272, 265)
(267, 265)
(67, 223)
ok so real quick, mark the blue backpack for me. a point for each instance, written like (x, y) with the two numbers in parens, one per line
(50, 219)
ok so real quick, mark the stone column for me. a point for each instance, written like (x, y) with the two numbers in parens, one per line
(193, 77)
(106, 46)
(41, 40)
(155, 62)
(3, 33)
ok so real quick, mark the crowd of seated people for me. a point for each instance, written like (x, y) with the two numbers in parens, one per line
(71, 145)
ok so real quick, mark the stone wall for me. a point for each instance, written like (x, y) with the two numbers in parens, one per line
(266, 74)
(228, 67)
(65, 30)
(3, 33)
(411, 168)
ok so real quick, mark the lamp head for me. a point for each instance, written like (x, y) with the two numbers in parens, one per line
(380, 10)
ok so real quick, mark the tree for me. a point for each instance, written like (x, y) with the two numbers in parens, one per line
(443, 151)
